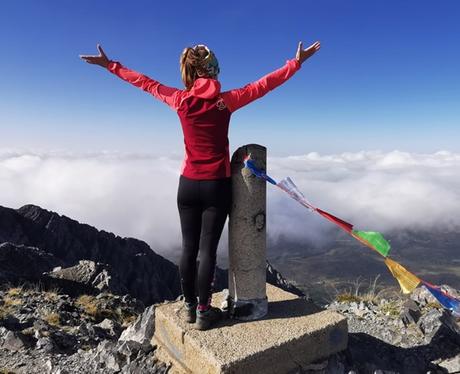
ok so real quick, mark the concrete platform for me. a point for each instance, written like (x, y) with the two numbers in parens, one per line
(293, 333)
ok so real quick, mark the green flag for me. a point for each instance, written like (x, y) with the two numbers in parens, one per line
(375, 239)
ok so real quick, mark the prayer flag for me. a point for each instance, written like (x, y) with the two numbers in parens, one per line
(373, 239)
(446, 300)
(256, 171)
(343, 224)
(406, 279)
(288, 186)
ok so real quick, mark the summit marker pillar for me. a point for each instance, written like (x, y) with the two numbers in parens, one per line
(247, 299)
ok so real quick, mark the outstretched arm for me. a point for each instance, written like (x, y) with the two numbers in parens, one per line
(240, 97)
(168, 95)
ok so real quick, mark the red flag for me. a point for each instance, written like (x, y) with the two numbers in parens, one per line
(344, 225)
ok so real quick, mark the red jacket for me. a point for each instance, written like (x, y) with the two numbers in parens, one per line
(205, 113)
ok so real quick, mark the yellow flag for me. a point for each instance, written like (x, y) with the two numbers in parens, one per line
(406, 279)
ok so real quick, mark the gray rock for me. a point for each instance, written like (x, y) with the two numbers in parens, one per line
(145, 365)
(107, 355)
(90, 273)
(11, 340)
(452, 365)
(142, 329)
(60, 371)
(126, 356)
(430, 323)
(112, 328)
(41, 328)
(91, 332)
(129, 349)
(46, 344)
(450, 290)
(422, 296)
(48, 366)
(410, 312)
(274, 277)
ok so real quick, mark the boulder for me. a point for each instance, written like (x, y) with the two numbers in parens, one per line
(142, 329)
(90, 273)
(12, 340)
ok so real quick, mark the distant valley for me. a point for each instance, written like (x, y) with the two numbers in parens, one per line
(343, 262)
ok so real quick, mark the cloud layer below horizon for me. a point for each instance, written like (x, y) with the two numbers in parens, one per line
(135, 194)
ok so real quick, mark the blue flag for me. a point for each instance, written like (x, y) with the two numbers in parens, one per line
(256, 171)
(447, 301)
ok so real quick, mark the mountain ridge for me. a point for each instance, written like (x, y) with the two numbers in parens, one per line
(70, 241)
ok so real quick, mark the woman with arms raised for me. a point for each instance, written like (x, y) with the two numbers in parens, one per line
(204, 193)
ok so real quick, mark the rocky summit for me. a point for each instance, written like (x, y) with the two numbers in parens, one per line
(145, 274)
(74, 299)
(45, 331)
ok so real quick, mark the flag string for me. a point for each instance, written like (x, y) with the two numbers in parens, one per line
(374, 240)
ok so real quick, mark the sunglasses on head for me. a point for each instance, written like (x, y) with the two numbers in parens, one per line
(205, 47)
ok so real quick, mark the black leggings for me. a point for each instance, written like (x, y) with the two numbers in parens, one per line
(203, 208)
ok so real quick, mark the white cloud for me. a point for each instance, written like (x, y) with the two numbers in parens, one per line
(128, 194)
(135, 194)
(379, 191)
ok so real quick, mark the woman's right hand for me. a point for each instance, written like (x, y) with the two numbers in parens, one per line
(303, 54)
(101, 59)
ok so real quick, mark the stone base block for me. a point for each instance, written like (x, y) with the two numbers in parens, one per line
(294, 333)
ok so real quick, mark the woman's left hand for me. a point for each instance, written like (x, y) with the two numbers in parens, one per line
(101, 59)
(303, 54)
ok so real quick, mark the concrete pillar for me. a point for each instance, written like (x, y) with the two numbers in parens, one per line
(247, 299)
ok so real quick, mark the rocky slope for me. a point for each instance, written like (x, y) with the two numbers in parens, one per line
(47, 331)
(51, 332)
(399, 334)
(77, 300)
(146, 275)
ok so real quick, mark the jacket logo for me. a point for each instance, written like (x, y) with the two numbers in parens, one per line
(221, 104)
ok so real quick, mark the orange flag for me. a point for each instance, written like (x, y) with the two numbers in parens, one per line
(406, 279)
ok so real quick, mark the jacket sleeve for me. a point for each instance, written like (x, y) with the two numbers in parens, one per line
(168, 95)
(240, 97)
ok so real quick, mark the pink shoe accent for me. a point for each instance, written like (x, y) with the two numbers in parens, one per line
(202, 308)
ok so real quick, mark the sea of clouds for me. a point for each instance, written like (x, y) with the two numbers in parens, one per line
(135, 194)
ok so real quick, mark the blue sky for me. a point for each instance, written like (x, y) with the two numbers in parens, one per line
(387, 75)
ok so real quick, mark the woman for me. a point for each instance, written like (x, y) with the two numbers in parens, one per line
(204, 193)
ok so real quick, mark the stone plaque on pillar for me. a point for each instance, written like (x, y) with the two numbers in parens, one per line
(247, 299)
